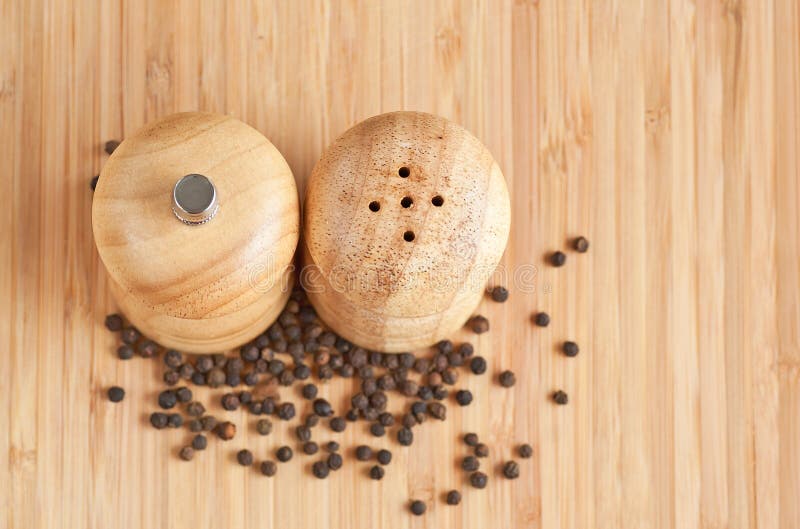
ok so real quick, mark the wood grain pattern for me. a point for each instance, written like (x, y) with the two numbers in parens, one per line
(666, 132)
(406, 216)
(200, 288)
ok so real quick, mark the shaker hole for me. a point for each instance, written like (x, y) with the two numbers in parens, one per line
(437, 201)
(408, 236)
(374, 206)
(404, 172)
(407, 202)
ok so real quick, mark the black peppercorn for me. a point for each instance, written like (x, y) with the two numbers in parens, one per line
(570, 349)
(405, 436)
(173, 359)
(195, 409)
(371, 414)
(418, 507)
(310, 448)
(363, 453)
(351, 415)
(481, 450)
(249, 353)
(174, 420)
(171, 377)
(187, 453)
(209, 423)
(245, 397)
(264, 426)
(450, 376)
(251, 378)
(167, 399)
(323, 408)
(286, 411)
(216, 377)
(125, 352)
(542, 319)
(303, 433)
(199, 442)
(463, 397)
(471, 439)
(422, 365)
(453, 497)
(226, 430)
(233, 379)
(410, 388)
(93, 182)
(525, 451)
(147, 349)
(268, 406)
(338, 424)
(386, 419)
(334, 461)
(230, 401)
(359, 401)
(183, 394)
(284, 454)
(470, 463)
(377, 429)
(425, 393)
(320, 469)
(195, 425)
(478, 365)
(312, 420)
(286, 378)
(116, 394)
(309, 391)
(332, 446)
(437, 410)
(114, 322)
(479, 324)
(255, 407)
(111, 146)
(384, 457)
(198, 379)
(130, 335)
(269, 468)
(376, 472)
(580, 244)
(511, 470)
(478, 480)
(499, 294)
(440, 392)
(409, 421)
(302, 372)
(559, 397)
(507, 379)
(245, 457)
(558, 258)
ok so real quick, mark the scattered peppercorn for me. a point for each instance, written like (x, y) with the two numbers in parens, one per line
(195, 425)
(418, 507)
(226, 430)
(363, 453)
(93, 182)
(332, 446)
(310, 391)
(335, 461)
(322, 408)
(209, 423)
(377, 429)
(264, 426)
(558, 258)
(183, 394)
(471, 439)
(478, 480)
(111, 146)
(470, 463)
(286, 411)
(511, 470)
(269, 468)
(303, 433)
(559, 397)
(384, 457)
(174, 420)
(116, 394)
(437, 410)
(481, 450)
(542, 319)
(463, 397)
(130, 335)
(310, 448)
(499, 294)
(244, 457)
(320, 469)
(187, 453)
(580, 244)
(570, 349)
(405, 436)
(284, 454)
(478, 365)
(453, 497)
(171, 377)
(525, 451)
(114, 322)
(376, 472)
(507, 379)
(173, 359)
(199, 442)
(479, 324)
(125, 352)
(167, 399)
(338, 424)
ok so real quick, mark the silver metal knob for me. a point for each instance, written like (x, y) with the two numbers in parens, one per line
(194, 199)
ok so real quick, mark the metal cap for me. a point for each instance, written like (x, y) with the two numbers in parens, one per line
(194, 199)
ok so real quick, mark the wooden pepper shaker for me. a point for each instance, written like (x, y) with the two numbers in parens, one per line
(406, 217)
(196, 219)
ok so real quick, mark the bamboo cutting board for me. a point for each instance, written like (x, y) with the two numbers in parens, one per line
(666, 132)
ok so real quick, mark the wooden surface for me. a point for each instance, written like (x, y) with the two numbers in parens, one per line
(667, 132)
(192, 287)
(376, 184)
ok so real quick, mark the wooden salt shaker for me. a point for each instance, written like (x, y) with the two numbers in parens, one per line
(406, 217)
(196, 219)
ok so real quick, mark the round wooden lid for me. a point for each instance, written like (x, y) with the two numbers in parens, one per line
(214, 243)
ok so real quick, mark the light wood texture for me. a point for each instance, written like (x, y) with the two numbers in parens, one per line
(202, 288)
(406, 216)
(666, 132)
